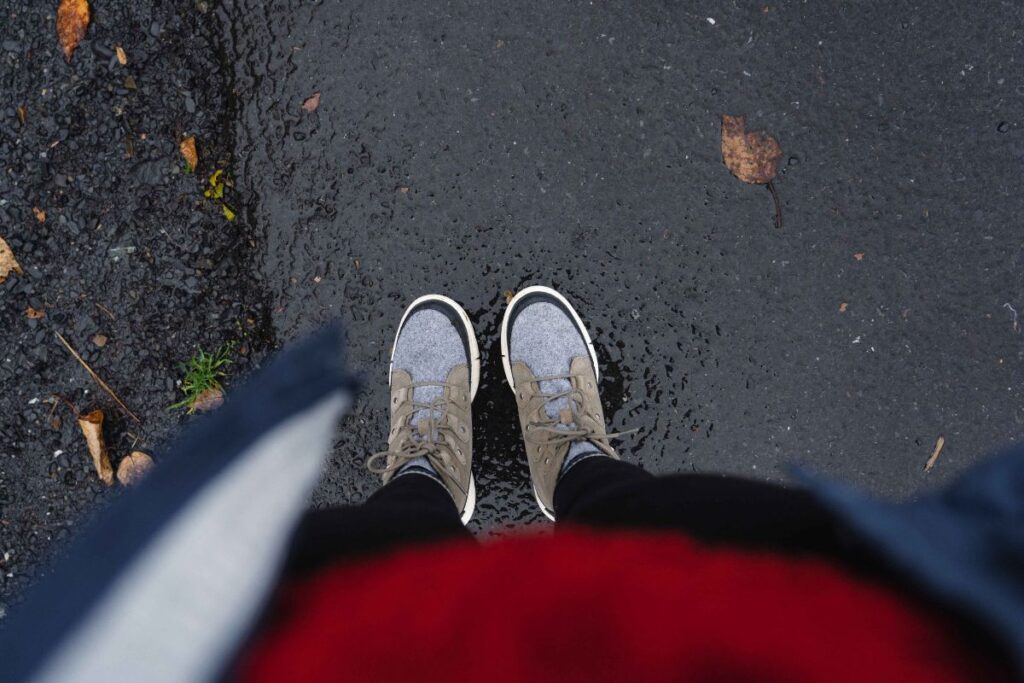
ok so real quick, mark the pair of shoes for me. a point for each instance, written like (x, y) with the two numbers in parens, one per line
(549, 363)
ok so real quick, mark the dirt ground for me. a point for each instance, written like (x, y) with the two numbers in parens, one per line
(130, 249)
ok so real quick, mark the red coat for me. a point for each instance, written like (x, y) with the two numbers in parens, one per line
(586, 606)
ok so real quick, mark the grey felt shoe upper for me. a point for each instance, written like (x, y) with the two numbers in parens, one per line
(432, 381)
(550, 365)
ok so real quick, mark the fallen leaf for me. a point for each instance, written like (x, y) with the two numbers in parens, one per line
(122, 58)
(228, 212)
(216, 188)
(499, 44)
(133, 467)
(129, 82)
(935, 454)
(22, 114)
(843, 306)
(92, 427)
(509, 295)
(753, 156)
(403, 189)
(189, 153)
(100, 340)
(209, 400)
(34, 313)
(72, 21)
(39, 213)
(8, 263)
(858, 256)
(311, 103)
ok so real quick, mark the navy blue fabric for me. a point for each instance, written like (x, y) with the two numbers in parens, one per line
(297, 379)
(964, 545)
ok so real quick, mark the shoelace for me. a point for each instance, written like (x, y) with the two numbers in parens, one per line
(550, 431)
(430, 445)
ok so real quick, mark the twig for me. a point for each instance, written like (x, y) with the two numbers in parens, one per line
(1016, 325)
(778, 205)
(935, 454)
(105, 310)
(97, 378)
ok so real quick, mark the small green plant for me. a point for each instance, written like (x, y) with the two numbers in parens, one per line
(201, 383)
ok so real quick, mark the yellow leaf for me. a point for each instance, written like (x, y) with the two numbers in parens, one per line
(72, 21)
(228, 213)
(8, 263)
(189, 153)
(34, 313)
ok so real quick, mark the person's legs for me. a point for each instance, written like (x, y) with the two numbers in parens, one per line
(428, 491)
(412, 508)
(603, 492)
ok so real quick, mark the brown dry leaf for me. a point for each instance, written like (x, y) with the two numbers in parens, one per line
(22, 115)
(843, 306)
(133, 467)
(210, 399)
(34, 313)
(122, 58)
(72, 21)
(99, 340)
(753, 156)
(92, 427)
(189, 153)
(509, 295)
(39, 214)
(8, 264)
(939, 443)
(312, 103)
(858, 256)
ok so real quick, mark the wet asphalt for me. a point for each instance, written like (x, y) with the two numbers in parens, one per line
(474, 148)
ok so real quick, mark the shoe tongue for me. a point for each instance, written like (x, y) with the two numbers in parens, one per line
(555, 386)
(420, 419)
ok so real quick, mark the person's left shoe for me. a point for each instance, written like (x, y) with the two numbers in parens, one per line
(435, 371)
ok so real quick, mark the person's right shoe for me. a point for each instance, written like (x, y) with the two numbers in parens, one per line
(551, 366)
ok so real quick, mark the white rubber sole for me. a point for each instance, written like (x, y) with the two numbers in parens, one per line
(474, 372)
(507, 363)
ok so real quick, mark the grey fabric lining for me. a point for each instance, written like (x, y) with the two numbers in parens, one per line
(428, 347)
(547, 340)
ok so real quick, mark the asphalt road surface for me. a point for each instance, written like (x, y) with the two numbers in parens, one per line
(474, 148)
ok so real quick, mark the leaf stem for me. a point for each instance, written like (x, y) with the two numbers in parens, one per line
(778, 204)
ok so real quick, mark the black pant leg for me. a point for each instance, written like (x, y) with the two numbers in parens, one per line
(411, 509)
(604, 492)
